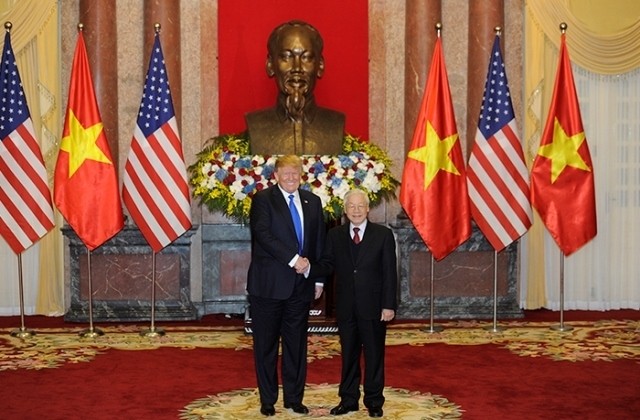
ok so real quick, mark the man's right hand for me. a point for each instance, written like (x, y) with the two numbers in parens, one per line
(301, 265)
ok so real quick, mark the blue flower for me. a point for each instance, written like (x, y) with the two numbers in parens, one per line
(360, 174)
(345, 161)
(221, 174)
(335, 181)
(267, 171)
(318, 168)
(249, 188)
(244, 162)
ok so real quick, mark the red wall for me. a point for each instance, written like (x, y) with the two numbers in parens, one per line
(243, 29)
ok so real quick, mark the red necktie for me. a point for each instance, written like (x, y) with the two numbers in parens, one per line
(356, 236)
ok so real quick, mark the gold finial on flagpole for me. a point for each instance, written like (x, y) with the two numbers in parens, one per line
(563, 27)
(7, 26)
(438, 29)
(80, 27)
(157, 27)
(498, 30)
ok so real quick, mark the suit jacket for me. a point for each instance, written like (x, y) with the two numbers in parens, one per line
(274, 243)
(368, 281)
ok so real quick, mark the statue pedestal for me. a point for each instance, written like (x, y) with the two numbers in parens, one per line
(121, 279)
(226, 254)
(463, 281)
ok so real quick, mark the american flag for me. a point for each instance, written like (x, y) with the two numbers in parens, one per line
(497, 175)
(26, 213)
(155, 189)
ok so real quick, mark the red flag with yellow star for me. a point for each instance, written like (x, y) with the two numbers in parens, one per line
(85, 186)
(562, 185)
(434, 186)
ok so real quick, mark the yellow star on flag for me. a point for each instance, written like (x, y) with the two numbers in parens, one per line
(81, 144)
(435, 154)
(563, 151)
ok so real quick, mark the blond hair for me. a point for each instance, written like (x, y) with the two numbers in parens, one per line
(289, 160)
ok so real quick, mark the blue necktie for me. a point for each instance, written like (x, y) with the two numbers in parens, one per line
(296, 222)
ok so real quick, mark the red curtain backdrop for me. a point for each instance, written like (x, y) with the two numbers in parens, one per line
(243, 29)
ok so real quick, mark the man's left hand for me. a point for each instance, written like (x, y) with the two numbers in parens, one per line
(387, 315)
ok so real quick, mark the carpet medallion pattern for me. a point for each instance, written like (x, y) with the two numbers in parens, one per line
(242, 404)
(605, 340)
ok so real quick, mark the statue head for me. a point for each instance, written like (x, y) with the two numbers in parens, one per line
(295, 60)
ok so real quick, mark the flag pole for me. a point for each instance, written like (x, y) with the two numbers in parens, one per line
(22, 332)
(432, 328)
(153, 331)
(90, 332)
(495, 328)
(562, 326)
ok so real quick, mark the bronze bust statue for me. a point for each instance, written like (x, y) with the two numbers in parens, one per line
(296, 124)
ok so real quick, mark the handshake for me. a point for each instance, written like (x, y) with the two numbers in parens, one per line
(301, 265)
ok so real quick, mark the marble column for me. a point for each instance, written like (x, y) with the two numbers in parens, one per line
(167, 14)
(420, 37)
(484, 16)
(101, 40)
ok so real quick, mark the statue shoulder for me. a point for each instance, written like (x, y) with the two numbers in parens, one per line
(331, 113)
(261, 115)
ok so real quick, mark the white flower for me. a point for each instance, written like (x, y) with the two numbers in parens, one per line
(323, 193)
(371, 182)
(341, 190)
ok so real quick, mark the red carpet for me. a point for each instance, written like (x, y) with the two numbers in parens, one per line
(486, 381)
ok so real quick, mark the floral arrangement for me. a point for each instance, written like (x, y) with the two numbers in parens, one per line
(225, 177)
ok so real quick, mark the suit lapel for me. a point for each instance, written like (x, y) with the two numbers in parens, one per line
(282, 207)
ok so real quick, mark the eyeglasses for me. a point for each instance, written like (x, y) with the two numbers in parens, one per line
(357, 207)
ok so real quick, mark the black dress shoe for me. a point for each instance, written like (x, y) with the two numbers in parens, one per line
(298, 408)
(342, 409)
(375, 411)
(267, 410)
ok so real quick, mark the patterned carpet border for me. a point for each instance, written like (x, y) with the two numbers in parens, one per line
(605, 340)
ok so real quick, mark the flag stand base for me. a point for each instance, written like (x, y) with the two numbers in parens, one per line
(91, 333)
(494, 329)
(433, 329)
(152, 332)
(561, 328)
(22, 333)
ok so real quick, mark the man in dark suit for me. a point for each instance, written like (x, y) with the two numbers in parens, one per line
(362, 255)
(279, 297)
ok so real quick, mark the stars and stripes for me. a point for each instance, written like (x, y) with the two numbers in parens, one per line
(155, 189)
(26, 212)
(497, 176)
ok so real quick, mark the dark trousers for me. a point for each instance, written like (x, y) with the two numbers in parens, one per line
(271, 320)
(359, 337)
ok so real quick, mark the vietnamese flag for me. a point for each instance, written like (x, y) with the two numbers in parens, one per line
(85, 182)
(562, 184)
(434, 185)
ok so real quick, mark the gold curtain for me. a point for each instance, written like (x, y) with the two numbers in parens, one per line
(34, 38)
(603, 36)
